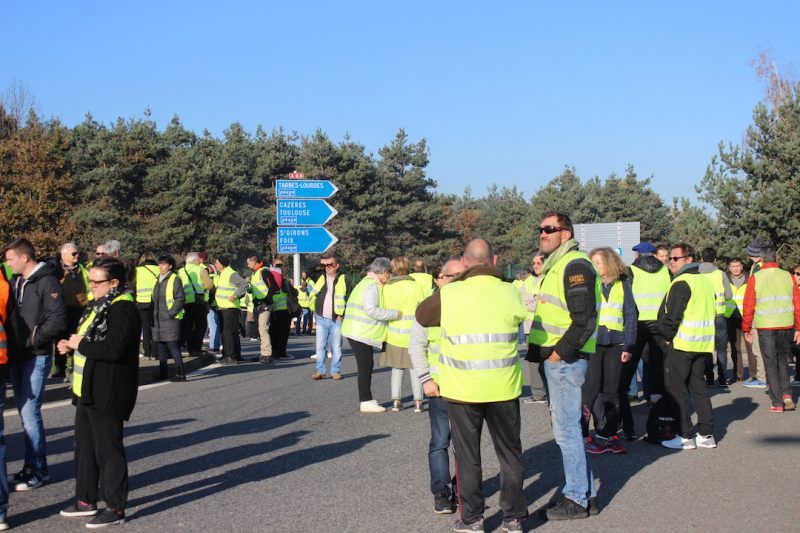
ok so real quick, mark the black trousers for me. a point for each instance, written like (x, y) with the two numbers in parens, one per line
(653, 372)
(100, 458)
(231, 345)
(365, 362)
(279, 327)
(194, 325)
(684, 376)
(601, 391)
(466, 425)
(146, 314)
(775, 351)
(733, 324)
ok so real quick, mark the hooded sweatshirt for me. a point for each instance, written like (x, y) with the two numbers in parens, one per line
(39, 316)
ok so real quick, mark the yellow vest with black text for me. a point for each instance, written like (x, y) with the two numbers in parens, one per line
(146, 278)
(696, 330)
(774, 299)
(649, 290)
(552, 318)
(715, 277)
(404, 295)
(79, 360)
(225, 289)
(736, 301)
(357, 324)
(480, 319)
(611, 310)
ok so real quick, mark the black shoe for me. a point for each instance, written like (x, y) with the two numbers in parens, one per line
(512, 525)
(227, 361)
(59, 374)
(567, 509)
(80, 509)
(593, 510)
(178, 378)
(442, 503)
(630, 435)
(107, 517)
(475, 527)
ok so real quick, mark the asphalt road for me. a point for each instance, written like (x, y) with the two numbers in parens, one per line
(265, 448)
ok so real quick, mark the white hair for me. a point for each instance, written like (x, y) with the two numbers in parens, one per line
(69, 246)
(192, 257)
(112, 247)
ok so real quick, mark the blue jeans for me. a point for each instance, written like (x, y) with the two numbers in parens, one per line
(301, 323)
(214, 340)
(438, 460)
(28, 379)
(329, 335)
(3, 480)
(565, 381)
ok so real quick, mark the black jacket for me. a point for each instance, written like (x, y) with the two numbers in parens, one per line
(319, 303)
(670, 314)
(38, 317)
(111, 374)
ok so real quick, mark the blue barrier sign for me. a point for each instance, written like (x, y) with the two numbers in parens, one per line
(285, 189)
(312, 240)
(304, 212)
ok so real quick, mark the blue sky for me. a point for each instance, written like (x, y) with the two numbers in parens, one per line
(504, 92)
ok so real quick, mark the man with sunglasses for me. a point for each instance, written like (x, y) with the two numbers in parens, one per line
(328, 299)
(563, 337)
(772, 307)
(686, 321)
(76, 295)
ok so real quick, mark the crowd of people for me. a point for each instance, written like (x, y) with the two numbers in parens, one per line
(589, 327)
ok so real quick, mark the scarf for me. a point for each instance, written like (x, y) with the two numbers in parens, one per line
(99, 326)
(559, 252)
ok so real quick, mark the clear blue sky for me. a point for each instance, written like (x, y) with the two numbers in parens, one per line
(504, 92)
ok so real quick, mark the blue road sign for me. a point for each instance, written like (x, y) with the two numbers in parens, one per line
(311, 240)
(285, 189)
(304, 212)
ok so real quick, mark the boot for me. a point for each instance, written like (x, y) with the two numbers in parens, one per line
(162, 371)
(179, 375)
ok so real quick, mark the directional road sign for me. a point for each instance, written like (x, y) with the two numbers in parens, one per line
(304, 212)
(285, 189)
(314, 240)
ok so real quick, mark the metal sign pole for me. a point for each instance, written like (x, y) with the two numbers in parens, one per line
(297, 271)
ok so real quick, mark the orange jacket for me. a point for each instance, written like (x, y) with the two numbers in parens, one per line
(5, 289)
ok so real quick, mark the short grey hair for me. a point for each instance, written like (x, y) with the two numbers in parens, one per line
(69, 246)
(112, 247)
(380, 265)
(192, 256)
(768, 254)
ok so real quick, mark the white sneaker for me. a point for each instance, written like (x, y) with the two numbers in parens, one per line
(705, 442)
(679, 443)
(372, 407)
(313, 356)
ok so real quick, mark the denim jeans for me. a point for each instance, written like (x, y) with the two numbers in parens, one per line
(27, 380)
(301, 322)
(438, 460)
(721, 348)
(3, 480)
(329, 336)
(214, 339)
(564, 382)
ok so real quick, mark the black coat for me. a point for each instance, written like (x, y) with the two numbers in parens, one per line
(111, 374)
(39, 317)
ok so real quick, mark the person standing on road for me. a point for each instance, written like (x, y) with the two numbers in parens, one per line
(104, 390)
(280, 322)
(5, 311)
(364, 325)
(733, 319)
(772, 307)
(563, 336)
(196, 282)
(480, 377)
(328, 299)
(722, 293)
(75, 284)
(38, 319)
(686, 321)
(795, 346)
(230, 287)
(530, 297)
(146, 277)
(424, 349)
(168, 302)
(262, 287)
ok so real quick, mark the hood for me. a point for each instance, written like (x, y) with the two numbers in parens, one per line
(649, 263)
(45, 269)
(479, 270)
(705, 268)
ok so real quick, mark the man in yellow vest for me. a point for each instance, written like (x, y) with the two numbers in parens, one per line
(480, 377)
(75, 282)
(772, 307)
(424, 349)
(563, 337)
(686, 321)
(263, 287)
(196, 279)
(722, 293)
(733, 318)
(328, 299)
(422, 277)
(231, 287)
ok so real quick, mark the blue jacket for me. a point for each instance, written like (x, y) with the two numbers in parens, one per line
(627, 337)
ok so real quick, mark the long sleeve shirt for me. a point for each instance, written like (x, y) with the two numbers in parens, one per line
(749, 303)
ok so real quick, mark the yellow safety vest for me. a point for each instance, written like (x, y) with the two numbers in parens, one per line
(357, 324)
(611, 310)
(146, 278)
(552, 318)
(188, 286)
(774, 299)
(339, 293)
(260, 289)
(737, 301)
(79, 360)
(696, 330)
(434, 351)
(169, 294)
(303, 298)
(225, 289)
(531, 285)
(479, 362)
(405, 295)
(715, 277)
(425, 282)
(86, 284)
(649, 290)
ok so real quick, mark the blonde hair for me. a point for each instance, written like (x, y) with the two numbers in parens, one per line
(612, 264)
(400, 266)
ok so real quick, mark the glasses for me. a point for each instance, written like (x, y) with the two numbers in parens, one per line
(550, 229)
(96, 282)
(447, 276)
(75, 254)
(328, 265)
(678, 258)
(796, 273)
(99, 254)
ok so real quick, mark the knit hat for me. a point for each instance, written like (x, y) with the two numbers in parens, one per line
(754, 248)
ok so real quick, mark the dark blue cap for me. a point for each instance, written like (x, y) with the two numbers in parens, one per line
(644, 248)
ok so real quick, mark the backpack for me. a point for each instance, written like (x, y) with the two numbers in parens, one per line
(291, 299)
(663, 423)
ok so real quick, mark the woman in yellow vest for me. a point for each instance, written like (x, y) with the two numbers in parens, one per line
(616, 338)
(168, 300)
(365, 328)
(104, 390)
(404, 293)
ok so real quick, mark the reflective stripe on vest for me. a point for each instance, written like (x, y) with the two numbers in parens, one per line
(737, 301)
(169, 295)
(552, 318)
(260, 289)
(696, 330)
(188, 286)
(479, 361)
(649, 290)
(225, 289)
(774, 299)
(146, 278)
(357, 324)
(405, 295)
(715, 277)
(611, 315)
(78, 359)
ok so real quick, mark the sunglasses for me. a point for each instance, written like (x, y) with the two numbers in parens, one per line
(99, 254)
(796, 273)
(328, 265)
(678, 258)
(550, 229)
(75, 254)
